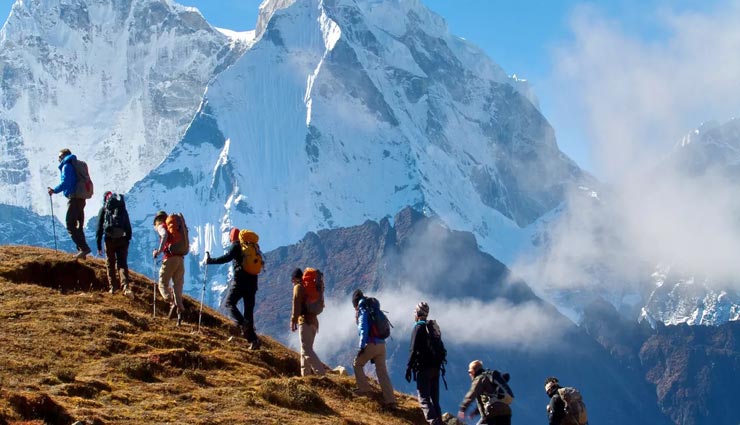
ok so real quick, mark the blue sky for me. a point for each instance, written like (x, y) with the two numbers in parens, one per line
(533, 39)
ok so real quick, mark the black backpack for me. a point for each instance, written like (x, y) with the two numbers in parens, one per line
(115, 217)
(436, 354)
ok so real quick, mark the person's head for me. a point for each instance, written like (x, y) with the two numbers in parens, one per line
(297, 276)
(357, 296)
(551, 385)
(159, 218)
(475, 368)
(64, 153)
(234, 235)
(421, 312)
(107, 196)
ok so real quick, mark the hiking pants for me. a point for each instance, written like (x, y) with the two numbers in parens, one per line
(427, 389)
(310, 362)
(173, 267)
(376, 353)
(75, 221)
(116, 261)
(243, 287)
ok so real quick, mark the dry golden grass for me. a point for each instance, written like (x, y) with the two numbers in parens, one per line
(69, 351)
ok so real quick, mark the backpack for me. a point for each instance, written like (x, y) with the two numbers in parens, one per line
(178, 234)
(574, 406)
(380, 326)
(502, 392)
(252, 261)
(84, 187)
(115, 217)
(436, 354)
(313, 285)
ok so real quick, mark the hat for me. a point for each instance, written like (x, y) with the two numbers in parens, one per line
(356, 297)
(107, 195)
(422, 310)
(297, 274)
(234, 234)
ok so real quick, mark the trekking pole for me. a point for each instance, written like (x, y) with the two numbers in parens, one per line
(203, 293)
(53, 223)
(154, 289)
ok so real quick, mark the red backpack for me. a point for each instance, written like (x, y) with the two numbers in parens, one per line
(313, 288)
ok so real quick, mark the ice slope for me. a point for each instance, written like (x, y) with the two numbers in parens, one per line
(116, 81)
(346, 110)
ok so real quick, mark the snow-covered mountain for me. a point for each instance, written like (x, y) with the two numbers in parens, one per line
(347, 110)
(116, 81)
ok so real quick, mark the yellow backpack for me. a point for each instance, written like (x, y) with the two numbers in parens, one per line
(252, 261)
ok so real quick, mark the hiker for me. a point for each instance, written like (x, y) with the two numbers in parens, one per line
(427, 357)
(305, 320)
(75, 219)
(566, 405)
(174, 244)
(492, 394)
(243, 287)
(372, 347)
(114, 227)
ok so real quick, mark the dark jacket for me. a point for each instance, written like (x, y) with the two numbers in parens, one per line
(556, 412)
(235, 255)
(480, 386)
(68, 185)
(100, 233)
(419, 358)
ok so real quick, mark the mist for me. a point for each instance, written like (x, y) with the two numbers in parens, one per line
(669, 195)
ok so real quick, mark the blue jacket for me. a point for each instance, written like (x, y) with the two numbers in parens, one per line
(363, 325)
(69, 176)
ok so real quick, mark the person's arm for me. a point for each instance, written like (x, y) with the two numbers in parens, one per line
(230, 255)
(162, 239)
(127, 225)
(296, 311)
(413, 349)
(364, 327)
(99, 233)
(472, 395)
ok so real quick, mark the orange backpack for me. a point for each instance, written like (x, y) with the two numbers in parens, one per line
(178, 234)
(313, 285)
(252, 261)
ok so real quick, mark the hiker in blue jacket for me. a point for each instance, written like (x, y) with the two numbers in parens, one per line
(372, 349)
(75, 219)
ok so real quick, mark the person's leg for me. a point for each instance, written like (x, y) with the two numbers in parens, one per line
(500, 420)
(434, 392)
(110, 265)
(309, 360)
(233, 296)
(363, 386)
(165, 274)
(383, 378)
(249, 295)
(424, 393)
(76, 223)
(122, 264)
(178, 281)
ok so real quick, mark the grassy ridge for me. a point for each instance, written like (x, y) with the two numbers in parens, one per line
(71, 351)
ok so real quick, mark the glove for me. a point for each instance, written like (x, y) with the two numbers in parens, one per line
(208, 257)
(50, 191)
(408, 374)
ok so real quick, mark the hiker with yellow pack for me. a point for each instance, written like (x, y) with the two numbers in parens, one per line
(246, 256)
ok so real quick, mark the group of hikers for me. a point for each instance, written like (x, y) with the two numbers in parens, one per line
(427, 353)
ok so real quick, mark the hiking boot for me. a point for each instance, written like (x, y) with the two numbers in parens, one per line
(82, 255)
(255, 345)
(360, 393)
(127, 291)
(389, 407)
(179, 319)
(111, 290)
